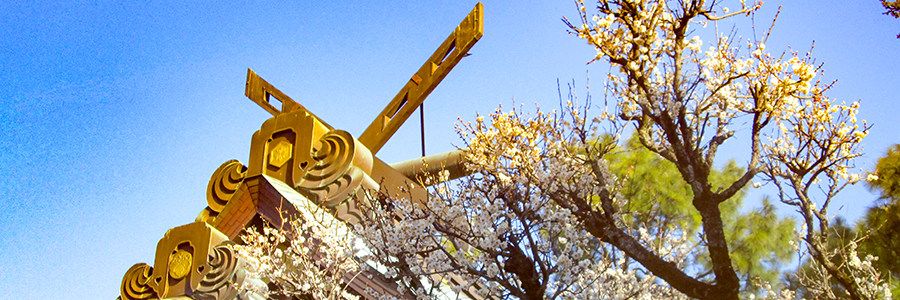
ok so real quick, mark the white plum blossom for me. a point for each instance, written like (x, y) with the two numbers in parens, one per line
(684, 103)
(541, 216)
(312, 260)
(498, 232)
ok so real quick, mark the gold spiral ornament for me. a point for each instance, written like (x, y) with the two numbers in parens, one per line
(342, 164)
(227, 278)
(225, 181)
(135, 283)
(225, 273)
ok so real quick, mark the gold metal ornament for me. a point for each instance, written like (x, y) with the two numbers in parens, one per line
(297, 157)
(225, 181)
(135, 283)
(180, 264)
(280, 154)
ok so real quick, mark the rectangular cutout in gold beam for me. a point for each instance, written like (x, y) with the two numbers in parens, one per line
(451, 51)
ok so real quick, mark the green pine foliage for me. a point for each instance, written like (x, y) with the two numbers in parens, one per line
(883, 240)
(888, 175)
(761, 241)
(657, 197)
(882, 222)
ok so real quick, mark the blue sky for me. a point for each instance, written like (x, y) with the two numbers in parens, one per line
(115, 114)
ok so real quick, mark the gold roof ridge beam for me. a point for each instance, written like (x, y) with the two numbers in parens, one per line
(262, 92)
(419, 169)
(454, 48)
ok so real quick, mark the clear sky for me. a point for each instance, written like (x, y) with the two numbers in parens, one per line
(115, 114)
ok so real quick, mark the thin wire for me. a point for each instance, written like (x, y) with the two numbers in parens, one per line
(422, 122)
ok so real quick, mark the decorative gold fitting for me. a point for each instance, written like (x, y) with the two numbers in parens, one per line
(180, 264)
(280, 154)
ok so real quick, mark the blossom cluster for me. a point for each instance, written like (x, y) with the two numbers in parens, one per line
(686, 97)
(498, 233)
(313, 255)
(820, 283)
(535, 220)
